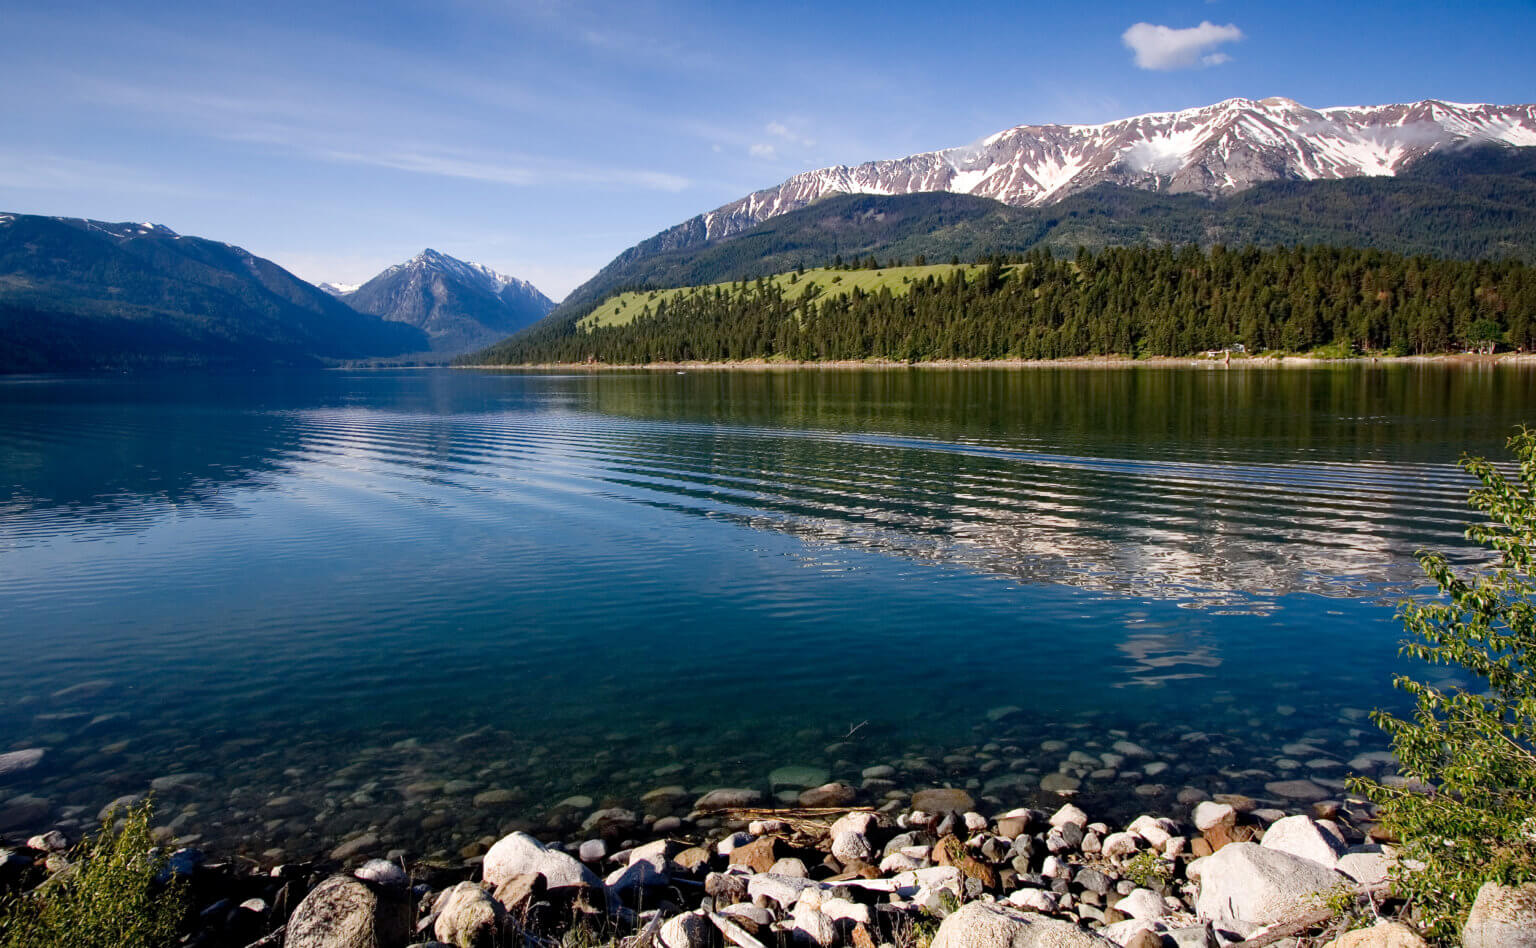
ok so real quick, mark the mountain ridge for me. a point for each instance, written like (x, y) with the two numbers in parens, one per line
(1213, 150)
(80, 293)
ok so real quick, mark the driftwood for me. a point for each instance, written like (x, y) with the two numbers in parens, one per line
(270, 938)
(812, 821)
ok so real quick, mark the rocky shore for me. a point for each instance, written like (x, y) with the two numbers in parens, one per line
(930, 869)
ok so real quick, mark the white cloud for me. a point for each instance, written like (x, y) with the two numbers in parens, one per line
(1163, 47)
(780, 130)
(762, 150)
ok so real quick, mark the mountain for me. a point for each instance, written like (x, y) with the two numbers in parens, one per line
(84, 294)
(339, 289)
(1212, 152)
(460, 305)
(1468, 203)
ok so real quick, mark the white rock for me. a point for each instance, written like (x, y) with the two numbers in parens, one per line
(1120, 845)
(848, 846)
(1155, 831)
(812, 925)
(861, 823)
(1069, 814)
(1036, 900)
(1365, 868)
(899, 862)
(1054, 868)
(593, 850)
(1248, 882)
(693, 930)
(1501, 917)
(732, 842)
(785, 890)
(1130, 749)
(991, 925)
(519, 853)
(467, 915)
(1301, 836)
(1143, 904)
(1210, 815)
(841, 909)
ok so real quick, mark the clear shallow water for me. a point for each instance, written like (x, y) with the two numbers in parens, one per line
(342, 590)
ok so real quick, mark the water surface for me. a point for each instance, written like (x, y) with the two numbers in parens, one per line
(343, 590)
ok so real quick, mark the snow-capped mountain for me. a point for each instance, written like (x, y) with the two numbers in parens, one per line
(1213, 150)
(339, 289)
(461, 305)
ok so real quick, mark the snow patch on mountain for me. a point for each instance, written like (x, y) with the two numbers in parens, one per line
(1212, 150)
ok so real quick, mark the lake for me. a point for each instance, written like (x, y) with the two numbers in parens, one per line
(435, 604)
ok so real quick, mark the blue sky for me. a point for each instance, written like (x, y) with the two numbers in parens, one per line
(542, 138)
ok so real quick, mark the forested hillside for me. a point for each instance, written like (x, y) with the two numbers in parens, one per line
(1470, 204)
(80, 294)
(1133, 301)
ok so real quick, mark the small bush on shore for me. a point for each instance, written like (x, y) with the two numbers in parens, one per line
(107, 898)
(1474, 749)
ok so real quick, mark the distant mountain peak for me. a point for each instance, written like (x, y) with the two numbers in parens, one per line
(461, 305)
(1212, 150)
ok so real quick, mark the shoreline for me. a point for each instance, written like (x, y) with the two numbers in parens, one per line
(1513, 359)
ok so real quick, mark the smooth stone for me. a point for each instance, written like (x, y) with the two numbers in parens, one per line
(878, 772)
(1300, 836)
(52, 841)
(1384, 934)
(519, 854)
(592, 850)
(1303, 790)
(355, 847)
(943, 800)
(1142, 904)
(1365, 868)
(828, 795)
(383, 873)
(728, 798)
(1130, 749)
(1501, 917)
(495, 798)
(690, 930)
(799, 777)
(1247, 882)
(467, 917)
(1069, 813)
(342, 912)
(1210, 815)
(1057, 782)
(990, 925)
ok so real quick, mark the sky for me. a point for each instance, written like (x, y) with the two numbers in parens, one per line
(542, 138)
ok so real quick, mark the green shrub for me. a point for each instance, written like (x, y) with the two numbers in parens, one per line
(107, 898)
(1471, 752)
(1147, 869)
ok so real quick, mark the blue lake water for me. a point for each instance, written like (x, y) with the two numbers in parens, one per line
(350, 601)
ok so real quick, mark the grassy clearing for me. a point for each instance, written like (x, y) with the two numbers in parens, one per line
(624, 308)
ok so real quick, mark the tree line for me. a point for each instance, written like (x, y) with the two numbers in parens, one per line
(1135, 301)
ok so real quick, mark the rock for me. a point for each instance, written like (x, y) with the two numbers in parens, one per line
(785, 890)
(812, 925)
(52, 841)
(693, 930)
(498, 797)
(1143, 904)
(990, 925)
(519, 853)
(726, 888)
(1119, 845)
(610, 822)
(1093, 880)
(790, 866)
(846, 910)
(1056, 782)
(1036, 900)
(383, 873)
(15, 762)
(121, 803)
(342, 912)
(758, 855)
(1130, 749)
(1156, 832)
(467, 917)
(1300, 836)
(1069, 814)
(727, 798)
(829, 794)
(1364, 868)
(1384, 934)
(172, 782)
(1210, 814)
(642, 874)
(848, 846)
(945, 800)
(732, 843)
(592, 850)
(23, 812)
(797, 777)
(518, 893)
(859, 822)
(1247, 882)
(1303, 790)
(1501, 917)
(355, 847)
(949, 851)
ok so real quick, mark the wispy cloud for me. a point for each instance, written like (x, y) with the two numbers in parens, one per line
(1165, 48)
(26, 170)
(763, 150)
